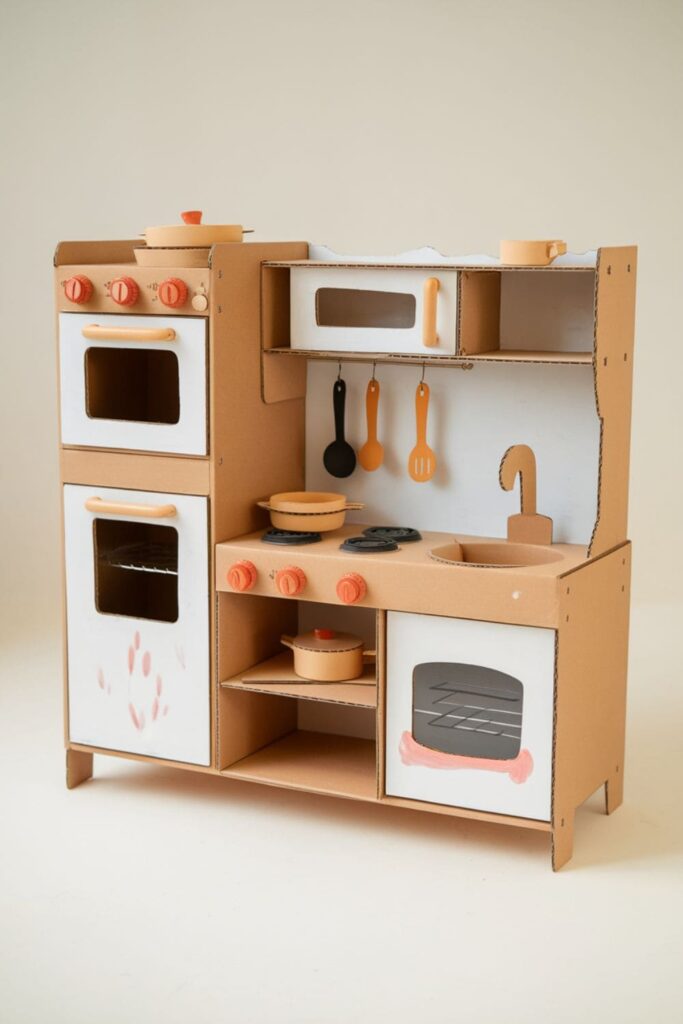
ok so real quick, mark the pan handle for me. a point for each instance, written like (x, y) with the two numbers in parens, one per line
(263, 504)
(353, 505)
(369, 656)
(288, 641)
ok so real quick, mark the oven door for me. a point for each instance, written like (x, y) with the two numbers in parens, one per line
(470, 714)
(371, 309)
(133, 382)
(137, 612)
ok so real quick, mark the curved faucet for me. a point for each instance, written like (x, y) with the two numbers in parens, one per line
(527, 527)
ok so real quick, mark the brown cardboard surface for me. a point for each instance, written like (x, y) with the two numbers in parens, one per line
(550, 269)
(169, 473)
(79, 764)
(408, 579)
(478, 312)
(592, 656)
(614, 330)
(465, 812)
(159, 761)
(317, 762)
(276, 675)
(117, 251)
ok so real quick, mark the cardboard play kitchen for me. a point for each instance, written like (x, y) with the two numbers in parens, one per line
(354, 526)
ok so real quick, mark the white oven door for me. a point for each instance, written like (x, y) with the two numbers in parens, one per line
(137, 608)
(369, 309)
(470, 714)
(133, 382)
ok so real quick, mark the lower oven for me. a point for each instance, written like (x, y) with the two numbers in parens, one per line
(137, 383)
(469, 720)
(137, 611)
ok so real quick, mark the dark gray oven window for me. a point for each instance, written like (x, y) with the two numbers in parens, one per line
(467, 709)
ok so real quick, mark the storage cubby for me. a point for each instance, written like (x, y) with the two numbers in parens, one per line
(527, 315)
(278, 728)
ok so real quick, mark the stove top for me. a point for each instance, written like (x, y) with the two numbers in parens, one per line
(290, 538)
(369, 545)
(401, 534)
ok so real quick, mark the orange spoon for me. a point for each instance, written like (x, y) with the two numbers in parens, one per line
(371, 455)
(422, 460)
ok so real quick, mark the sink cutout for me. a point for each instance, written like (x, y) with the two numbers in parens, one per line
(495, 556)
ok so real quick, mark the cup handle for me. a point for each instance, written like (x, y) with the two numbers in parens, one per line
(556, 248)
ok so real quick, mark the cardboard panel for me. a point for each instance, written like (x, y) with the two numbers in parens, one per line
(136, 472)
(117, 251)
(478, 312)
(148, 279)
(138, 639)
(614, 330)
(519, 786)
(473, 418)
(591, 683)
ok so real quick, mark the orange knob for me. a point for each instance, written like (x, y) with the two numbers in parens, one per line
(173, 292)
(242, 576)
(290, 581)
(191, 216)
(78, 289)
(124, 291)
(351, 588)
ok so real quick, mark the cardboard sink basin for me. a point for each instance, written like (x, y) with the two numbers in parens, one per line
(495, 555)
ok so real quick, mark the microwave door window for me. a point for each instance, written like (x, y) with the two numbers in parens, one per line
(469, 710)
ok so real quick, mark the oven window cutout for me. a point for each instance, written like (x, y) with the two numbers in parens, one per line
(469, 710)
(140, 385)
(136, 569)
(356, 307)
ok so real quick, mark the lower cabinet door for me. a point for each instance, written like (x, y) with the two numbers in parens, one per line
(137, 610)
(469, 719)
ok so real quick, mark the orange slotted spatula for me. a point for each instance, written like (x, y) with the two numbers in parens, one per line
(371, 454)
(422, 460)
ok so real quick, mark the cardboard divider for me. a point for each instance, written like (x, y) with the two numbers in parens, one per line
(281, 380)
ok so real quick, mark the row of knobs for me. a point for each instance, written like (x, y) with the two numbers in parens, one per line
(291, 581)
(125, 292)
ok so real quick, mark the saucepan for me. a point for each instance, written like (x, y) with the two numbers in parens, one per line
(327, 656)
(302, 511)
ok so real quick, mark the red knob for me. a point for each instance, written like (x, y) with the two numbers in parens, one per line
(351, 588)
(290, 581)
(124, 291)
(173, 292)
(324, 634)
(78, 289)
(242, 576)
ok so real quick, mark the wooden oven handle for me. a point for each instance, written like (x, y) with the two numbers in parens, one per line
(94, 332)
(124, 508)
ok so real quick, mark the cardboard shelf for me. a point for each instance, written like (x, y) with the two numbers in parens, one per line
(317, 762)
(496, 355)
(277, 676)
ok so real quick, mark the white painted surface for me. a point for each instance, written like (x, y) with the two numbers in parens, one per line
(525, 652)
(186, 437)
(307, 334)
(474, 417)
(101, 685)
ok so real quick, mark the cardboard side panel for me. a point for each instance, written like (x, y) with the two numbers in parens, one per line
(590, 690)
(478, 312)
(614, 331)
(281, 380)
(117, 251)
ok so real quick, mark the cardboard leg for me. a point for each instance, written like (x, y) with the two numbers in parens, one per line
(78, 767)
(614, 792)
(563, 839)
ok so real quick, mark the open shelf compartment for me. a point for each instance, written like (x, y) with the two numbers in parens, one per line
(276, 675)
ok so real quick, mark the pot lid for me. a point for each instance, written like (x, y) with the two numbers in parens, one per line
(327, 640)
(192, 232)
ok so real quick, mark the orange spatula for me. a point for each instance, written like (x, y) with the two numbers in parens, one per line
(422, 460)
(371, 454)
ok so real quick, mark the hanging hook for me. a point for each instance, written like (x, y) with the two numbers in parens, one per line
(374, 366)
(339, 371)
(422, 378)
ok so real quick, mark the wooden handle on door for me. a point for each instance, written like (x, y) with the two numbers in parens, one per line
(124, 508)
(94, 332)
(430, 291)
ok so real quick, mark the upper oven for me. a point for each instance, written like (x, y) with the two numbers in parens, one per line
(136, 383)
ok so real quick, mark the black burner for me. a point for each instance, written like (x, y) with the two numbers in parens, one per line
(401, 534)
(290, 538)
(369, 545)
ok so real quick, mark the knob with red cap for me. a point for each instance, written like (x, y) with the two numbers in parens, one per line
(124, 291)
(351, 588)
(78, 289)
(290, 581)
(173, 292)
(242, 576)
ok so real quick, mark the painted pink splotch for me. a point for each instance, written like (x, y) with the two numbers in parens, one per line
(415, 754)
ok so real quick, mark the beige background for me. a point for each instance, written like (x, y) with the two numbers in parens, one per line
(371, 126)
